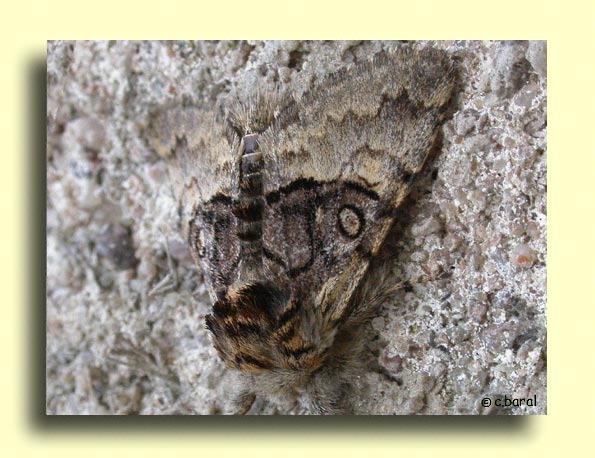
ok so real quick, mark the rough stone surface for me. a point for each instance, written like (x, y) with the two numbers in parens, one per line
(126, 306)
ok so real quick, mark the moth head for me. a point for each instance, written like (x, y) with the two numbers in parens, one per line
(258, 328)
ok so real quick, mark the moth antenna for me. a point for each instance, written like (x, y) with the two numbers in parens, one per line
(248, 207)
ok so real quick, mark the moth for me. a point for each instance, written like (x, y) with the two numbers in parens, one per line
(285, 201)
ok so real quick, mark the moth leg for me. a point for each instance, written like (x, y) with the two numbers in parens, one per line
(408, 284)
(325, 406)
(126, 353)
(244, 402)
(170, 281)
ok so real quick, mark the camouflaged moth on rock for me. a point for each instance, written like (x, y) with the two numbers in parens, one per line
(285, 203)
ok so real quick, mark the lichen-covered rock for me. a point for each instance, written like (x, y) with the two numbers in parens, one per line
(126, 305)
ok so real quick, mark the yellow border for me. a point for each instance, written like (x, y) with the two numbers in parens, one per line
(570, 34)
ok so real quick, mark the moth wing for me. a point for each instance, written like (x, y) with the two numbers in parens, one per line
(199, 151)
(339, 161)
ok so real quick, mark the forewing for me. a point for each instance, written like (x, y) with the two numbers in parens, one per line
(199, 151)
(339, 161)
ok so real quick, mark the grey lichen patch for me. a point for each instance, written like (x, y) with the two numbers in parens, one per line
(437, 349)
(491, 197)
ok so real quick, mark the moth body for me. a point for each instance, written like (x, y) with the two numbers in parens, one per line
(286, 202)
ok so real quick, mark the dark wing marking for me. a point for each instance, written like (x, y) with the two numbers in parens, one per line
(213, 239)
(366, 129)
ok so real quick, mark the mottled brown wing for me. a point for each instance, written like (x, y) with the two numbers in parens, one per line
(337, 164)
(200, 153)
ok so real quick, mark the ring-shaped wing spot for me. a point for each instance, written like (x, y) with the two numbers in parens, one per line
(350, 221)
